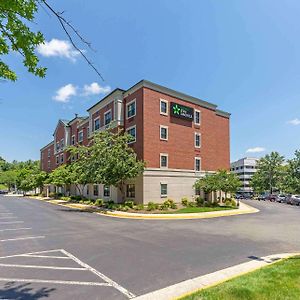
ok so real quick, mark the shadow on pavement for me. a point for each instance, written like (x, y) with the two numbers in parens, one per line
(13, 290)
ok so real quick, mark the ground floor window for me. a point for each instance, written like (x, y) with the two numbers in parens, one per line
(130, 191)
(87, 190)
(197, 164)
(96, 190)
(197, 191)
(163, 190)
(106, 191)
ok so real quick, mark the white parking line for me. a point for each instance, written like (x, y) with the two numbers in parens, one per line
(42, 267)
(16, 255)
(102, 276)
(44, 256)
(13, 222)
(14, 229)
(24, 238)
(55, 281)
(5, 213)
(8, 217)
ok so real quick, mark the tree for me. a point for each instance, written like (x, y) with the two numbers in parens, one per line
(108, 160)
(60, 177)
(269, 173)
(207, 183)
(227, 182)
(9, 178)
(16, 35)
(293, 174)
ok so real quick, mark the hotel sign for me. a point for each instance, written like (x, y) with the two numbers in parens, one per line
(182, 112)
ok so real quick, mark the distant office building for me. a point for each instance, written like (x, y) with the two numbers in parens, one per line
(244, 168)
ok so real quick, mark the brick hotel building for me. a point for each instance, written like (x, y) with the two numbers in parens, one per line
(180, 137)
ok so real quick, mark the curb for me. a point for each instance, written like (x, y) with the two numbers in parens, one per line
(190, 286)
(245, 209)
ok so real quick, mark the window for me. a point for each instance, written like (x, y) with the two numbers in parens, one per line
(62, 144)
(163, 107)
(57, 159)
(197, 140)
(131, 109)
(62, 158)
(72, 157)
(49, 164)
(163, 190)
(96, 190)
(80, 136)
(107, 117)
(130, 191)
(73, 140)
(163, 160)
(49, 152)
(197, 164)
(96, 124)
(164, 133)
(197, 117)
(197, 191)
(87, 189)
(57, 147)
(88, 131)
(106, 191)
(132, 131)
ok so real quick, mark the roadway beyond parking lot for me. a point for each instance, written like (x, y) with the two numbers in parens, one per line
(53, 252)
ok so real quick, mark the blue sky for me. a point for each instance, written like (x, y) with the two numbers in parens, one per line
(241, 55)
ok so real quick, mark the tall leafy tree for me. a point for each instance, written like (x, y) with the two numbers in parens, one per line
(108, 160)
(60, 177)
(17, 36)
(270, 172)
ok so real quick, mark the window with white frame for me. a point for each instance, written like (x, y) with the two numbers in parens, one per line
(49, 152)
(107, 117)
(106, 191)
(96, 124)
(163, 160)
(132, 131)
(57, 146)
(131, 109)
(130, 191)
(163, 107)
(197, 117)
(73, 140)
(164, 132)
(61, 158)
(197, 140)
(88, 131)
(197, 164)
(163, 190)
(80, 136)
(62, 144)
(57, 159)
(49, 164)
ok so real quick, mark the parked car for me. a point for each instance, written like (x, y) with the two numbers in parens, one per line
(280, 198)
(271, 197)
(262, 197)
(295, 200)
(3, 191)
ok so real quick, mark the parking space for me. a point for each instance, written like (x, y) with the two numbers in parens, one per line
(55, 272)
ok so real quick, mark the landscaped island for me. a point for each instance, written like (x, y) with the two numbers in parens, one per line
(168, 206)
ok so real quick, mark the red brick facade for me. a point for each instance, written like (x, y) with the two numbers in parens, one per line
(180, 145)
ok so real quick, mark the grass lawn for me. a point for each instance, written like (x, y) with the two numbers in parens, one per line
(3, 186)
(280, 281)
(186, 210)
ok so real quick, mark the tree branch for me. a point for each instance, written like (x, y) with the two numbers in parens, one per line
(64, 24)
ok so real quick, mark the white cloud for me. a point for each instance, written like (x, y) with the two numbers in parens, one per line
(64, 93)
(59, 48)
(256, 150)
(95, 89)
(294, 122)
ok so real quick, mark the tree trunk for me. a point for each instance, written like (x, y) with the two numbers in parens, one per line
(121, 188)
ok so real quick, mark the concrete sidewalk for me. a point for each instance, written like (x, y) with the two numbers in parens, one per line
(190, 286)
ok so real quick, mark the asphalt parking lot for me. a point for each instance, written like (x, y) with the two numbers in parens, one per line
(53, 252)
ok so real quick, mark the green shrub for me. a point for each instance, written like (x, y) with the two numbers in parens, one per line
(52, 195)
(65, 198)
(76, 198)
(139, 207)
(199, 201)
(230, 202)
(164, 206)
(129, 203)
(184, 201)
(191, 204)
(99, 202)
(173, 205)
(152, 206)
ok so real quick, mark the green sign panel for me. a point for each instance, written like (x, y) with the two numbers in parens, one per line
(182, 112)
